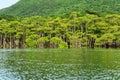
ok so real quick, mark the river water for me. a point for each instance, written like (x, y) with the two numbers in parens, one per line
(59, 64)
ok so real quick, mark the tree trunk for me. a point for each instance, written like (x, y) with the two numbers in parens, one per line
(4, 41)
(10, 42)
(1, 41)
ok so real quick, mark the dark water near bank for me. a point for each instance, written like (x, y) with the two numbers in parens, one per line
(59, 64)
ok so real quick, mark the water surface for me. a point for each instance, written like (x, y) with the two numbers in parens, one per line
(59, 64)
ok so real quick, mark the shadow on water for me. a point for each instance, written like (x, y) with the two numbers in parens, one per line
(59, 64)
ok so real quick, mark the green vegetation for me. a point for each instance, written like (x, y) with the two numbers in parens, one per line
(73, 31)
(58, 7)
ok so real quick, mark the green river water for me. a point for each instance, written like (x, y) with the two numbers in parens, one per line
(59, 64)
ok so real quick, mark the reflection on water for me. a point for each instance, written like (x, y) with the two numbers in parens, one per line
(59, 64)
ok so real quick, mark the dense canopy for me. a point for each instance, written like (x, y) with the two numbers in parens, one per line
(73, 31)
(58, 7)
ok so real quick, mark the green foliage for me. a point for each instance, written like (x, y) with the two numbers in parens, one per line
(43, 39)
(75, 31)
(60, 7)
(8, 17)
(31, 41)
(55, 40)
(63, 45)
(107, 37)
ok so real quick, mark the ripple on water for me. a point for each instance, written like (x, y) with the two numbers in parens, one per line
(56, 72)
(53, 66)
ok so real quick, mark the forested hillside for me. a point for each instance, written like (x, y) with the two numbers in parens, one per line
(58, 7)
